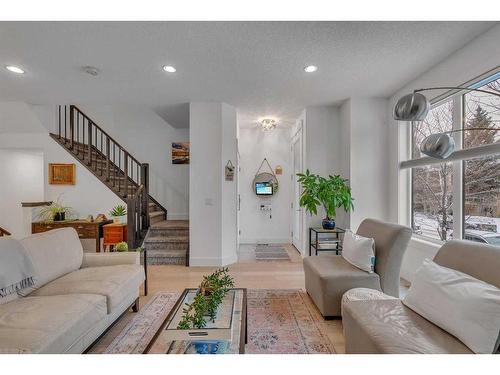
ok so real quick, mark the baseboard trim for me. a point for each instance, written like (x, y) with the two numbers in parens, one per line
(251, 241)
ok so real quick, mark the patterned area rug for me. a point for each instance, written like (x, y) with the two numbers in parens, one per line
(271, 252)
(136, 336)
(285, 322)
(279, 322)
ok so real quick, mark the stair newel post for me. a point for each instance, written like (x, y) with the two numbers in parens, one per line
(71, 126)
(125, 168)
(131, 221)
(108, 156)
(145, 194)
(89, 149)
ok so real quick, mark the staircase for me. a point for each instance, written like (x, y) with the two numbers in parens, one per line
(123, 174)
(167, 242)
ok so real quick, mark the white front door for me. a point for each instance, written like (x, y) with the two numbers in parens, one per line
(297, 212)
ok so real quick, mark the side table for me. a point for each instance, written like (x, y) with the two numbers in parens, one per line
(114, 233)
(325, 239)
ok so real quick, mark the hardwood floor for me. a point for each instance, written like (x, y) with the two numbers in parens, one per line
(247, 273)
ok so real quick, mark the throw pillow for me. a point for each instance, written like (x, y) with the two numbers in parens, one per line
(463, 306)
(359, 251)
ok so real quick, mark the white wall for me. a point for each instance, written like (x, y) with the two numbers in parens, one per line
(369, 158)
(323, 150)
(88, 197)
(229, 193)
(22, 181)
(350, 140)
(212, 199)
(148, 138)
(345, 153)
(477, 57)
(256, 226)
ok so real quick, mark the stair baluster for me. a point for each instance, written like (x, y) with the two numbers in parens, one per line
(103, 156)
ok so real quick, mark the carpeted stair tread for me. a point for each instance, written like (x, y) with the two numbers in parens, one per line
(172, 224)
(157, 239)
(155, 213)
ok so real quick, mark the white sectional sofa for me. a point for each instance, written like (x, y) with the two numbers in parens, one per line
(75, 298)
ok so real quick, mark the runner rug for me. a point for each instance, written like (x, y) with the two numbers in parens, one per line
(271, 252)
(279, 322)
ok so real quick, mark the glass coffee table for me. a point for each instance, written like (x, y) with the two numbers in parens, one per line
(227, 335)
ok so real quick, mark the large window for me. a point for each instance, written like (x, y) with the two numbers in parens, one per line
(459, 198)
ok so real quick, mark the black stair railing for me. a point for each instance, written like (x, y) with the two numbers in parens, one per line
(111, 162)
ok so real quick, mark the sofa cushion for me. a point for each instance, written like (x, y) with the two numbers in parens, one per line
(48, 324)
(53, 254)
(387, 326)
(337, 273)
(328, 277)
(116, 283)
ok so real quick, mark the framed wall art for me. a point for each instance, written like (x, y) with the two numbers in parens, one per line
(180, 152)
(62, 174)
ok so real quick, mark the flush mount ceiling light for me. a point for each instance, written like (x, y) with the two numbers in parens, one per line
(14, 69)
(169, 69)
(92, 70)
(310, 68)
(268, 124)
(416, 106)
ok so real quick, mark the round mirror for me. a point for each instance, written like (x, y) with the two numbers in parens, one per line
(266, 177)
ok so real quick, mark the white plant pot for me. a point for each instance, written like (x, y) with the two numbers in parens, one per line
(120, 219)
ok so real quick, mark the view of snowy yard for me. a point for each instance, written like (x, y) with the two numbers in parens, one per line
(433, 185)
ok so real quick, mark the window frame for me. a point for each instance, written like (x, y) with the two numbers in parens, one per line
(458, 166)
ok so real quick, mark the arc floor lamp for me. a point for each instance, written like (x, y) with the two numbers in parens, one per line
(416, 106)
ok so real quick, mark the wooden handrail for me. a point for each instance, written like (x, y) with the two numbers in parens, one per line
(74, 107)
(4, 232)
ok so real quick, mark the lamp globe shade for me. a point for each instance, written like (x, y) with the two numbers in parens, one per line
(439, 145)
(412, 107)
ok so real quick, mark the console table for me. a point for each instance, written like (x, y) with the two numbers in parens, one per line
(85, 229)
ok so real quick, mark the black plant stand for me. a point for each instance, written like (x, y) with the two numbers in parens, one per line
(325, 239)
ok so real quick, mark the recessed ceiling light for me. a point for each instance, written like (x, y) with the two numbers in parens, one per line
(14, 69)
(92, 70)
(169, 69)
(310, 68)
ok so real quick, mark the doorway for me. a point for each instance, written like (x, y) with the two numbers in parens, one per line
(297, 212)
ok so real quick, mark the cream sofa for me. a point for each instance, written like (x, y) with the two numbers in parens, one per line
(76, 297)
(375, 322)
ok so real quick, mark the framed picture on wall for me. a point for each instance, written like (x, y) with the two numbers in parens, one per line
(180, 152)
(62, 174)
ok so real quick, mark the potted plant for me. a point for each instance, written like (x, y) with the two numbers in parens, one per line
(55, 212)
(331, 192)
(211, 292)
(119, 214)
(121, 246)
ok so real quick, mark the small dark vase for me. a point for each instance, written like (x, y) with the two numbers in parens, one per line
(60, 216)
(328, 224)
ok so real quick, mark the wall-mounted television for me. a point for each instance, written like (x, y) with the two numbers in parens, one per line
(263, 188)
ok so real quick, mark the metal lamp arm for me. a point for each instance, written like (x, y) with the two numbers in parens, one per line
(457, 88)
(467, 129)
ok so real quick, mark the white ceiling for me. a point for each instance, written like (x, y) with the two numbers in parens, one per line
(254, 66)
